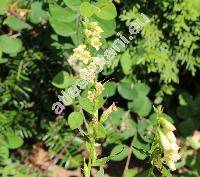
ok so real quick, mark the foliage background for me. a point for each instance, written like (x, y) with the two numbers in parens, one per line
(159, 66)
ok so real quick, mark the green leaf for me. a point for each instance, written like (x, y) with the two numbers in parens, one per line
(184, 112)
(145, 130)
(185, 99)
(108, 26)
(61, 14)
(13, 141)
(75, 120)
(61, 28)
(100, 130)
(139, 148)
(119, 152)
(130, 173)
(73, 4)
(130, 128)
(87, 105)
(126, 90)
(147, 173)
(76, 161)
(141, 105)
(37, 14)
(106, 11)
(100, 102)
(142, 89)
(187, 127)
(62, 80)
(16, 24)
(101, 161)
(100, 173)
(86, 9)
(110, 89)
(166, 173)
(22, 175)
(4, 5)
(3, 60)
(117, 116)
(4, 152)
(126, 62)
(9, 45)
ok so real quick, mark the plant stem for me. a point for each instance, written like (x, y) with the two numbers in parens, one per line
(129, 154)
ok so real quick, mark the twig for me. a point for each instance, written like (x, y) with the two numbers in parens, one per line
(129, 154)
(16, 15)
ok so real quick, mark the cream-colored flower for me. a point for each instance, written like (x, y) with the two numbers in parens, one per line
(92, 67)
(168, 141)
(88, 33)
(79, 49)
(174, 146)
(96, 43)
(170, 136)
(171, 165)
(166, 124)
(110, 109)
(164, 141)
(86, 74)
(90, 96)
(100, 61)
(93, 25)
(82, 53)
(99, 87)
(96, 29)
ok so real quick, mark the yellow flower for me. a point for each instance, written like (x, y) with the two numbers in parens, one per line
(92, 66)
(164, 141)
(99, 88)
(171, 165)
(90, 96)
(174, 146)
(86, 74)
(88, 33)
(81, 53)
(166, 124)
(93, 30)
(170, 136)
(96, 43)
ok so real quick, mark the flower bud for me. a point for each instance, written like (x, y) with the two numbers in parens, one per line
(166, 124)
(164, 141)
(170, 136)
(174, 146)
(90, 96)
(171, 165)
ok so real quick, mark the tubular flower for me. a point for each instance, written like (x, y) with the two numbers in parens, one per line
(81, 53)
(164, 141)
(166, 124)
(168, 142)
